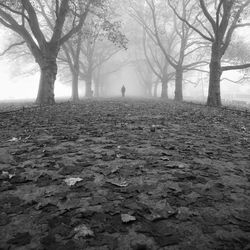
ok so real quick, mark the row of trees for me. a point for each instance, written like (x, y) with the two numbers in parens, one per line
(62, 30)
(169, 40)
(179, 37)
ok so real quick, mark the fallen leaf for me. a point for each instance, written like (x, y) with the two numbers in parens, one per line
(114, 169)
(72, 181)
(117, 182)
(14, 139)
(127, 218)
(176, 164)
(83, 231)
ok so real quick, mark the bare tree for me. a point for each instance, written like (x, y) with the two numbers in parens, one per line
(185, 44)
(158, 63)
(101, 43)
(223, 17)
(23, 18)
(144, 74)
(71, 48)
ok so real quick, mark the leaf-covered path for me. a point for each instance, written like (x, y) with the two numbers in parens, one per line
(124, 174)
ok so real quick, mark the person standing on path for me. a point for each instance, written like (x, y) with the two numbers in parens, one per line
(123, 90)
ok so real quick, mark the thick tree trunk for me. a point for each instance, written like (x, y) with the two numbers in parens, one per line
(178, 85)
(164, 89)
(75, 93)
(214, 97)
(97, 88)
(76, 70)
(45, 94)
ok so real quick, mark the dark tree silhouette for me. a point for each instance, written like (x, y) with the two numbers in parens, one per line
(23, 17)
(222, 19)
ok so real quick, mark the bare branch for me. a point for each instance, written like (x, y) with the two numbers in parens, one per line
(152, 7)
(235, 67)
(12, 46)
(207, 15)
(34, 23)
(211, 39)
(77, 28)
(14, 11)
(240, 81)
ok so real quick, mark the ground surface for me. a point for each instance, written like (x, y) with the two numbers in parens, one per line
(124, 174)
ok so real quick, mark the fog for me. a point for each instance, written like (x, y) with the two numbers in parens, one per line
(26, 87)
(136, 60)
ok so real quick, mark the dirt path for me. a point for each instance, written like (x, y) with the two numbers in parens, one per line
(124, 174)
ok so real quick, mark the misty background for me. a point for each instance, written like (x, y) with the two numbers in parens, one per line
(20, 77)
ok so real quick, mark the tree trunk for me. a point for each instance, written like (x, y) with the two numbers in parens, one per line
(214, 97)
(97, 88)
(75, 93)
(45, 94)
(88, 90)
(178, 85)
(76, 69)
(164, 90)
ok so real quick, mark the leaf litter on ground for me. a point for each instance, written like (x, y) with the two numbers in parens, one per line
(124, 174)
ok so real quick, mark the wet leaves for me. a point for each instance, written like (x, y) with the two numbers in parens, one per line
(20, 239)
(112, 174)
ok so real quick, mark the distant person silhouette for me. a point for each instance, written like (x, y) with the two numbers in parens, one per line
(123, 90)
